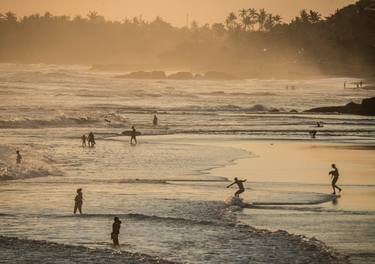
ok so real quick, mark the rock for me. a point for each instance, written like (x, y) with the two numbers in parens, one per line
(181, 76)
(144, 75)
(294, 111)
(367, 107)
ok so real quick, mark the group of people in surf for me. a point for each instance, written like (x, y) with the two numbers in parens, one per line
(90, 139)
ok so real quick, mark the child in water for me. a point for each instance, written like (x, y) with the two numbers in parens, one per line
(115, 231)
(78, 201)
(19, 157)
(83, 140)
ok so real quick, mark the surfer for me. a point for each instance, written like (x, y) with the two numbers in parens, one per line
(78, 200)
(239, 183)
(133, 135)
(155, 121)
(91, 139)
(19, 157)
(115, 231)
(334, 176)
(83, 140)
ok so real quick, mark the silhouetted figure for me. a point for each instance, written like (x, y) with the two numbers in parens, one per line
(155, 121)
(344, 85)
(78, 201)
(319, 124)
(239, 183)
(91, 140)
(115, 231)
(360, 84)
(19, 157)
(334, 176)
(84, 140)
(312, 133)
(133, 135)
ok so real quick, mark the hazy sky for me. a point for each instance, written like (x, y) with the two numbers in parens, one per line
(174, 11)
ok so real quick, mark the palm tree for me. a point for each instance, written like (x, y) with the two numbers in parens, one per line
(262, 16)
(231, 22)
(314, 16)
(253, 14)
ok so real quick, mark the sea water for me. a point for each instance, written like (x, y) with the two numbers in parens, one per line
(170, 205)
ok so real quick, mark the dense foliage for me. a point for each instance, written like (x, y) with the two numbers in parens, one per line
(248, 42)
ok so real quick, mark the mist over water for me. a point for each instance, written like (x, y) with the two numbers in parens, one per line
(50, 96)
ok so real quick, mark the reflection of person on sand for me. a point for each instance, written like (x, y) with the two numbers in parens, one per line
(115, 231)
(91, 139)
(83, 140)
(133, 135)
(239, 183)
(78, 200)
(19, 157)
(155, 121)
(335, 176)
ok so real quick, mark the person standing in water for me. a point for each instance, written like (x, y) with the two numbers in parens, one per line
(19, 157)
(78, 201)
(133, 135)
(155, 121)
(91, 139)
(334, 176)
(239, 183)
(83, 140)
(116, 231)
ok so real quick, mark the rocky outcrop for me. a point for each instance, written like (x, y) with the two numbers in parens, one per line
(367, 107)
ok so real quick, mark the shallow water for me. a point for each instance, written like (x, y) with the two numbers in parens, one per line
(171, 201)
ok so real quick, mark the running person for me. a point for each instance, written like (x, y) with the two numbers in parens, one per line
(239, 183)
(334, 176)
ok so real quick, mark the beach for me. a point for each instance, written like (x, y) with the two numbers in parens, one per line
(169, 190)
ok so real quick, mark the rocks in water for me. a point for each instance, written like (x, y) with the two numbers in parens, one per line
(367, 107)
(144, 75)
(181, 76)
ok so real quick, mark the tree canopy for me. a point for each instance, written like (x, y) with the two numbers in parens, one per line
(248, 42)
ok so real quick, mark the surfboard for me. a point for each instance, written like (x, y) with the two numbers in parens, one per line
(129, 133)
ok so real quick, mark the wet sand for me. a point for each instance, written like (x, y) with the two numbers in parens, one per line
(20, 251)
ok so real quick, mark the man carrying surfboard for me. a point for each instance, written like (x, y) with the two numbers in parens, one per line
(133, 135)
(334, 176)
(239, 183)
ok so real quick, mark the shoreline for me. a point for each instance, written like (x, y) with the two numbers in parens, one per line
(16, 250)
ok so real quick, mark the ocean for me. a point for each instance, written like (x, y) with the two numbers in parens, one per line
(169, 190)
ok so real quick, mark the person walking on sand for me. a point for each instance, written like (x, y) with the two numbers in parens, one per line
(78, 201)
(133, 135)
(19, 157)
(334, 176)
(83, 140)
(116, 231)
(239, 183)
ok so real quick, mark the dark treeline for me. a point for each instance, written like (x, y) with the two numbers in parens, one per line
(249, 42)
